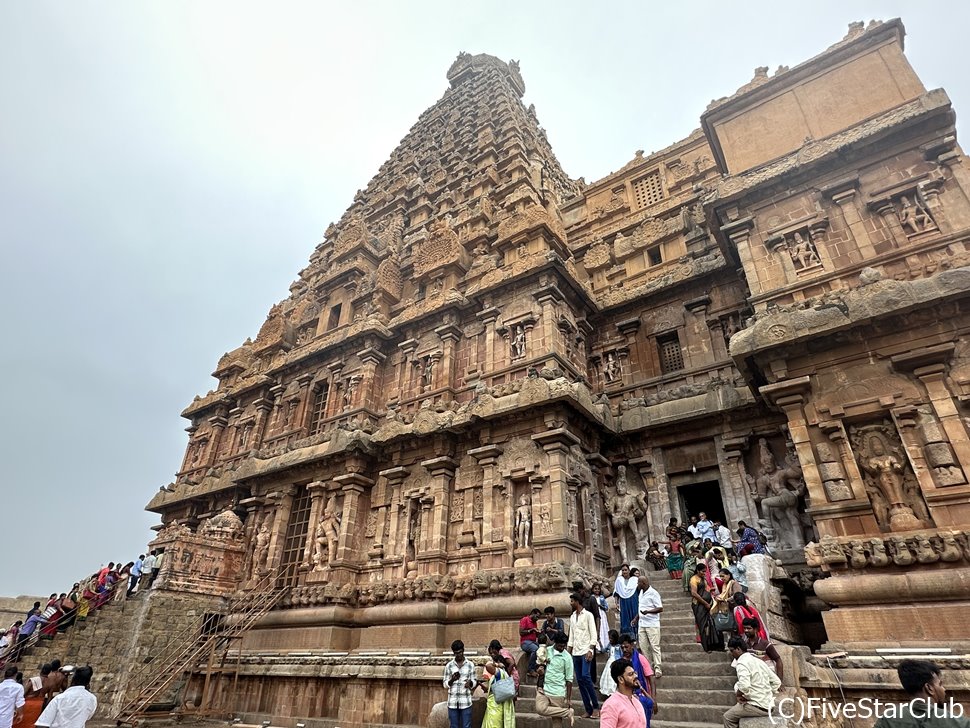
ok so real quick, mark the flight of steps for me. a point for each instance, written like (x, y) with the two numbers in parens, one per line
(695, 690)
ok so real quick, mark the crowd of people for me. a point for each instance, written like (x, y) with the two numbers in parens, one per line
(63, 610)
(622, 621)
(57, 697)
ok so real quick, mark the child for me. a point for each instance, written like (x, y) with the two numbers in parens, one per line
(615, 652)
(542, 657)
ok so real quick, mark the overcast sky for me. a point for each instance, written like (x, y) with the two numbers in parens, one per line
(167, 168)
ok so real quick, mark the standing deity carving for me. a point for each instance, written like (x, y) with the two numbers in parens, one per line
(518, 341)
(523, 523)
(326, 536)
(777, 490)
(427, 371)
(261, 550)
(611, 370)
(896, 499)
(624, 509)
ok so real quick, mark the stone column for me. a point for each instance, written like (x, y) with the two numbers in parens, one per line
(284, 505)
(218, 425)
(301, 413)
(843, 194)
(395, 548)
(906, 419)
(731, 461)
(334, 391)
(843, 465)
(556, 444)
(739, 233)
(789, 395)
(263, 407)
(548, 297)
(698, 332)
(370, 359)
(887, 211)
(487, 456)
(318, 501)
(449, 335)
(353, 485)
(487, 316)
(658, 501)
(442, 471)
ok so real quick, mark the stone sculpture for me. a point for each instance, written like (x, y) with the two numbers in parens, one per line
(778, 500)
(624, 509)
(261, 551)
(913, 217)
(803, 252)
(611, 371)
(885, 474)
(325, 537)
(518, 342)
(523, 523)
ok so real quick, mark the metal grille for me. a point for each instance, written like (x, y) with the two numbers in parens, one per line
(319, 411)
(295, 541)
(671, 356)
(648, 190)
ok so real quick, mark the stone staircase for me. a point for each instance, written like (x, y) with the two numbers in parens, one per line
(695, 690)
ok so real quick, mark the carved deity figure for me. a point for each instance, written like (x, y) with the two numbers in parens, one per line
(611, 371)
(779, 499)
(523, 523)
(518, 341)
(624, 509)
(803, 252)
(885, 473)
(427, 371)
(325, 537)
(261, 551)
(913, 217)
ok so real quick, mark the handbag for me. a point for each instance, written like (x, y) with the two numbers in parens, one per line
(723, 621)
(503, 688)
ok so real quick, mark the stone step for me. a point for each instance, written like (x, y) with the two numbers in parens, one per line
(692, 669)
(695, 683)
(687, 696)
(531, 720)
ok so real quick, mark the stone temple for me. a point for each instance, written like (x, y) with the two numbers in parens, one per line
(493, 379)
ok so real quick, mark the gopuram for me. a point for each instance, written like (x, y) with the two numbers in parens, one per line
(493, 379)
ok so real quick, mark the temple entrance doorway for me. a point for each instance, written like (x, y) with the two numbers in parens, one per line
(698, 497)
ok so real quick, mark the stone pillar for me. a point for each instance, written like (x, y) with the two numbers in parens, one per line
(699, 343)
(887, 211)
(658, 500)
(301, 414)
(449, 335)
(318, 501)
(263, 407)
(789, 395)
(548, 297)
(218, 424)
(487, 316)
(370, 359)
(841, 467)
(352, 522)
(487, 456)
(558, 545)
(406, 381)
(284, 505)
(843, 194)
(442, 471)
(394, 549)
(739, 233)
(731, 462)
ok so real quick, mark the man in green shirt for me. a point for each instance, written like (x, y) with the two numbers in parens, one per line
(556, 688)
(927, 706)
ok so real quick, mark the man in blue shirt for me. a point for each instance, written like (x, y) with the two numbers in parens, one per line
(135, 573)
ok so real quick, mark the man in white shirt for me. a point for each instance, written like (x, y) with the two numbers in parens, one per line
(705, 529)
(723, 535)
(148, 565)
(73, 707)
(582, 646)
(11, 698)
(692, 528)
(648, 623)
(756, 686)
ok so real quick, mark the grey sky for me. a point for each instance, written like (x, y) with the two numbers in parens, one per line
(166, 169)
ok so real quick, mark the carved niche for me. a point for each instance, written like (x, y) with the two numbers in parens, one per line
(893, 490)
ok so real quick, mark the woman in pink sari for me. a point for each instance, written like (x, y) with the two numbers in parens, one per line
(744, 609)
(52, 613)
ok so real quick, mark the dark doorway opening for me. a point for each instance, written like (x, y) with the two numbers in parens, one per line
(700, 497)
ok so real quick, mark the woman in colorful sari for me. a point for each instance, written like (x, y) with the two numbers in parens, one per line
(604, 610)
(744, 609)
(88, 598)
(503, 658)
(715, 559)
(749, 541)
(69, 605)
(625, 592)
(702, 602)
(656, 557)
(675, 553)
(497, 715)
(52, 614)
(693, 556)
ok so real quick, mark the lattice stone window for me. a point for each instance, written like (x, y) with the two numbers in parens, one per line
(648, 190)
(319, 410)
(295, 540)
(671, 355)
